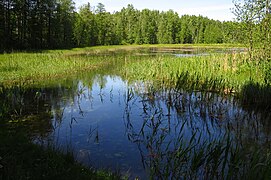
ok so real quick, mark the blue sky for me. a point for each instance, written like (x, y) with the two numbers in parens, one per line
(214, 9)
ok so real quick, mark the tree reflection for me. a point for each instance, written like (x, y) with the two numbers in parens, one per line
(179, 134)
(33, 108)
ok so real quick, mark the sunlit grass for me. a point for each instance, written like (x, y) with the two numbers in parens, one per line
(99, 49)
(214, 72)
(225, 73)
(23, 67)
(19, 67)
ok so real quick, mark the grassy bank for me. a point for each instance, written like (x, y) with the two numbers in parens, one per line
(31, 67)
(20, 159)
(212, 72)
(230, 73)
(112, 48)
(25, 67)
(223, 73)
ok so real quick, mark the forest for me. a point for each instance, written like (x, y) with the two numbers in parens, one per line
(54, 24)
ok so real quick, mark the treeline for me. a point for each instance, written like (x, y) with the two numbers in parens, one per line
(129, 26)
(51, 24)
(36, 24)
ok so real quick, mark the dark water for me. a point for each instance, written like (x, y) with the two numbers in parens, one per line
(110, 123)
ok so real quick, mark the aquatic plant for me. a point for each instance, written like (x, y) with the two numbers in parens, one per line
(185, 147)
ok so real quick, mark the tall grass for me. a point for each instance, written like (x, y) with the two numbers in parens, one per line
(230, 73)
(187, 147)
(218, 72)
(226, 73)
(183, 157)
(24, 67)
(20, 67)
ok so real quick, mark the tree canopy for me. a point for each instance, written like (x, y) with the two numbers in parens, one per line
(51, 24)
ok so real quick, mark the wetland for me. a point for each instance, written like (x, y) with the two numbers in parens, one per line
(148, 113)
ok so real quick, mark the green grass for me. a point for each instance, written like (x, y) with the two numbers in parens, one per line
(215, 72)
(172, 154)
(21, 159)
(30, 67)
(230, 73)
(131, 47)
(24, 67)
(224, 73)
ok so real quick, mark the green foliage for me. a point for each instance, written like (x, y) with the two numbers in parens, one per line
(131, 26)
(167, 27)
(52, 24)
(24, 67)
(213, 33)
(36, 24)
(225, 73)
(218, 73)
(85, 31)
(255, 21)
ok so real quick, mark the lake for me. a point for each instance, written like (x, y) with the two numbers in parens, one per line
(138, 127)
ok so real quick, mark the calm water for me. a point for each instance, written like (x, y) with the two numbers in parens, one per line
(110, 123)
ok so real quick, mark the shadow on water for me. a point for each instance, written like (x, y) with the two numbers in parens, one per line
(198, 135)
(31, 108)
(143, 130)
(256, 97)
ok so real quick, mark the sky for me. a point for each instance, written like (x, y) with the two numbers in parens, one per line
(213, 9)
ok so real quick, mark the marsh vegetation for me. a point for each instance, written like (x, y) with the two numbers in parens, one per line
(137, 108)
(145, 112)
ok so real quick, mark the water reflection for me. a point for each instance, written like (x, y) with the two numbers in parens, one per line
(140, 129)
(191, 52)
(182, 132)
(32, 107)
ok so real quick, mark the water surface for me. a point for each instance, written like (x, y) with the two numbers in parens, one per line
(134, 127)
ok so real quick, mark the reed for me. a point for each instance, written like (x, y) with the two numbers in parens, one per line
(221, 73)
(233, 71)
(180, 149)
(30, 67)
(183, 156)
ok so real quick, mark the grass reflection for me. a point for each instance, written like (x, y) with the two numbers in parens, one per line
(209, 137)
